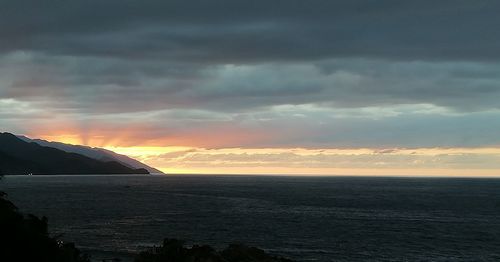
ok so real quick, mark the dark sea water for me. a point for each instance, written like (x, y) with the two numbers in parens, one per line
(304, 218)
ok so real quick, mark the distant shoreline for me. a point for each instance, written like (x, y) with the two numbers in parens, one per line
(80, 175)
(266, 175)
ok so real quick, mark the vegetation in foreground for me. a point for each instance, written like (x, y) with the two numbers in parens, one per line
(26, 238)
(174, 250)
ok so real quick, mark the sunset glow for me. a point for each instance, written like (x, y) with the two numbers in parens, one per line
(310, 161)
(300, 161)
(233, 97)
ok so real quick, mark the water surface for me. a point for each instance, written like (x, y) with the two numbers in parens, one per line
(305, 218)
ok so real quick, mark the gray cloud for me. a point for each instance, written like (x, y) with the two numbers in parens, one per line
(141, 56)
(109, 85)
(180, 69)
(226, 31)
(279, 127)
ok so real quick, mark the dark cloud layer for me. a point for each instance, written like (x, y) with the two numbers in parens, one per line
(245, 31)
(108, 85)
(154, 63)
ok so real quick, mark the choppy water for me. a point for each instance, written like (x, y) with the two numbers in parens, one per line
(305, 218)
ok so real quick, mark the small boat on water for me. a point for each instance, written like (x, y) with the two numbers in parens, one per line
(30, 174)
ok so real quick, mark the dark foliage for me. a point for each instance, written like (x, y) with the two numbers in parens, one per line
(26, 238)
(18, 157)
(174, 250)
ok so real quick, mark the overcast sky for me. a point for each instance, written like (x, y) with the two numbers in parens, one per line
(253, 74)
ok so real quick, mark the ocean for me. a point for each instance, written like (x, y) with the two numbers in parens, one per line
(303, 218)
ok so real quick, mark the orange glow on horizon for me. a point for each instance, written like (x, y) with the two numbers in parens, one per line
(188, 159)
(174, 166)
(119, 142)
(145, 151)
(283, 171)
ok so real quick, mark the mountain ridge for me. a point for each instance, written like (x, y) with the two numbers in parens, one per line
(97, 153)
(18, 157)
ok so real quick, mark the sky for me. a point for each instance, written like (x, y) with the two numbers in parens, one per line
(260, 87)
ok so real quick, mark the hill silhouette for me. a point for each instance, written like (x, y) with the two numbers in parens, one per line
(18, 157)
(173, 250)
(95, 153)
(25, 237)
